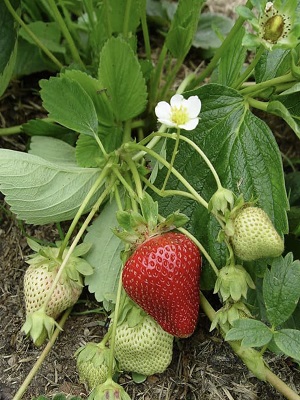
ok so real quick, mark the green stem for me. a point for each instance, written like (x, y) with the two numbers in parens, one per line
(260, 105)
(13, 130)
(220, 51)
(114, 329)
(146, 33)
(171, 77)
(76, 240)
(202, 249)
(107, 18)
(127, 131)
(245, 75)
(172, 159)
(22, 389)
(197, 197)
(88, 5)
(267, 84)
(124, 182)
(81, 209)
(247, 353)
(32, 35)
(100, 145)
(136, 176)
(64, 29)
(199, 151)
(155, 79)
(166, 193)
(126, 18)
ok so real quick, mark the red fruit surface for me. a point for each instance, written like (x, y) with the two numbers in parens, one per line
(162, 276)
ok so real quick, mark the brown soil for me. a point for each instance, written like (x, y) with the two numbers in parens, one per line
(203, 366)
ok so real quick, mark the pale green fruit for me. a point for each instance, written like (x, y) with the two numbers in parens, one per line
(37, 283)
(92, 364)
(145, 348)
(254, 235)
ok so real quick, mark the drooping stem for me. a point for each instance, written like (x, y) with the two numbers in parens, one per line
(32, 35)
(22, 389)
(64, 29)
(81, 209)
(245, 75)
(146, 32)
(199, 151)
(126, 18)
(220, 51)
(114, 329)
(202, 249)
(197, 197)
(81, 231)
(136, 176)
(247, 354)
(274, 82)
(172, 159)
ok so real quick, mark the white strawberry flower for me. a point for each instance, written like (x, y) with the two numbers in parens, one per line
(180, 113)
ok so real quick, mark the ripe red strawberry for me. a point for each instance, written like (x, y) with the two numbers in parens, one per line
(162, 277)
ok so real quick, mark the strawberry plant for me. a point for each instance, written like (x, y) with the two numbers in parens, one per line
(169, 185)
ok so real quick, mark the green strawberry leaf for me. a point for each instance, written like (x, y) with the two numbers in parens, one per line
(251, 332)
(104, 255)
(24, 181)
(281, 289)
(232, 60)
(8, 43)
(138, 378)
(74, 110)
(273, 63)
(53, 150)
(246, 156)
(278, 108)
(121, 76)
(181, 33)
(96, 92)
(288, 341)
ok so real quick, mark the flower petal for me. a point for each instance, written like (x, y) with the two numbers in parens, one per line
(193, 104)
(163, 110)
(190, 125)
(176, 100)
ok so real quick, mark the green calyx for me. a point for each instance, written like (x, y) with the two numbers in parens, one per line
(136, 228)
(49, 257)
(228, 314)
(92, 364)
(109, 390)
(39, 326)
(221, 201)
(233, 281)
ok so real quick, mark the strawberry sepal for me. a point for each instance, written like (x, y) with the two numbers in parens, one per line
(39, 326)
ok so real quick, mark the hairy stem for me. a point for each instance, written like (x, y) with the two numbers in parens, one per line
(81, 231)
(32, 35)
(64, 29)
(247, 354)
(22, 389)
(197, 197)
(81, 209)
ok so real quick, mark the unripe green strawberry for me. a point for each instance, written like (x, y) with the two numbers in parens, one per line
(38, 281)
(41, 274)
(92, 364)
(254, 235)
(145, 348)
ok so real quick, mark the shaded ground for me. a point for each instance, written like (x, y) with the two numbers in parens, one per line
(203, 366)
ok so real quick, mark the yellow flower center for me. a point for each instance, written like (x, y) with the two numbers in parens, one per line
(273, 28)
(179, 115)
